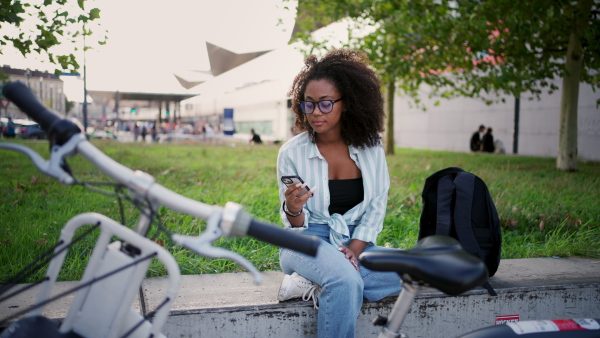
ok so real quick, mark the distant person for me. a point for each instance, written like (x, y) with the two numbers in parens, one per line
(10, 128)
(488, 141)
(144, 132)
(203, 131)
(153, 133)
(476, 138)
(136, 131)
(255, 138)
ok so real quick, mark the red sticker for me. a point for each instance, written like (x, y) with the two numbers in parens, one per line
(556, 325)
(506, 319)
(567, 325)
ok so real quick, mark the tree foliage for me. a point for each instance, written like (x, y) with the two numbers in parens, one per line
(473, 48)
(463, 47)
(43, 27)
(529, 42)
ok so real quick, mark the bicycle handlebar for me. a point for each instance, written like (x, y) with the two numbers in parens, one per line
(281, 237)
(61, 131)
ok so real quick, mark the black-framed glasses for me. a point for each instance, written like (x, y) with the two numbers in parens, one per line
(325, 106)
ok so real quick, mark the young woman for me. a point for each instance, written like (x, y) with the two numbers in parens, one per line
(338, 105)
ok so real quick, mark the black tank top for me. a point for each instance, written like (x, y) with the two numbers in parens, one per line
(345, 195)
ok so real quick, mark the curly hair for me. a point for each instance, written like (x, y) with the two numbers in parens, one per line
(348, 70)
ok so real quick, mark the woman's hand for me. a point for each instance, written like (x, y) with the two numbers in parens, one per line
(354, 249)
(350, 255)
(295, 204)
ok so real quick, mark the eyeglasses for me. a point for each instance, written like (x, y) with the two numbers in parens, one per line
(325, 106)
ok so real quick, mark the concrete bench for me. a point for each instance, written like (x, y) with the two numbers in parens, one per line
(231, 305)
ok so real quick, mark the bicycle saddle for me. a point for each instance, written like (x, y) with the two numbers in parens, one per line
(436, 261)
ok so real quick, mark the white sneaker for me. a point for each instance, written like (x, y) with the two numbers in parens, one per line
(296, 286)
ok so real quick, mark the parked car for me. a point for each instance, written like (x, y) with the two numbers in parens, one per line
(29, 130)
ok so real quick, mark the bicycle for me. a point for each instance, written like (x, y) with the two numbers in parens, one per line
(436, 261)
(102, 303)
(440, 262)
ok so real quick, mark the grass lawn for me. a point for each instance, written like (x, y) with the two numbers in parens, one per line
(543, 212)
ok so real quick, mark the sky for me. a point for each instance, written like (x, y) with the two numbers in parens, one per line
(149, 40)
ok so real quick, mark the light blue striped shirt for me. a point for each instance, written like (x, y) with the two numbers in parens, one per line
(299, 156)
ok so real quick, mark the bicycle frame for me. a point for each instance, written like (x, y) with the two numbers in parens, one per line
(103, 308)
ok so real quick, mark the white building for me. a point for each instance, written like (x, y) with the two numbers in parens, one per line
(449, 126)
(257, 92)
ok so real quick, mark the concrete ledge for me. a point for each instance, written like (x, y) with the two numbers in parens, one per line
(228, 305)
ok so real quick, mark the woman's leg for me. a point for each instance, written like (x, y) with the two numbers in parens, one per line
(342, 287)
(379, 285)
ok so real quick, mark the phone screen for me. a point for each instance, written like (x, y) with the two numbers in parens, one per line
(292, 180)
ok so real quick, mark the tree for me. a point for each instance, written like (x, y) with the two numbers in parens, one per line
(537, 43)
(477, 48)
(43, 27)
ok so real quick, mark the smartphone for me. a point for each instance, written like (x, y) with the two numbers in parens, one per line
(293, 180)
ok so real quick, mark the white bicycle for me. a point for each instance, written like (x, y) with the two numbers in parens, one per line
(102, 305)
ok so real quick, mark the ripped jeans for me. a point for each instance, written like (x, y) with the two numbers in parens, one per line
(343, 289)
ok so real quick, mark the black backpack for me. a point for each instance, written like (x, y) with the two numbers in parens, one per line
(457, 203)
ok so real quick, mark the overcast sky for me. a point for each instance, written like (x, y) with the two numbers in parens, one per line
(149, 40)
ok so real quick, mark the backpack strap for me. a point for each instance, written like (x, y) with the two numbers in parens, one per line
(430, 181)
(465, 184)
(445, 190)
(489, 288)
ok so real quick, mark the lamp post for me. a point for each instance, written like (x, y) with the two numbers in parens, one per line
(28, 76)
(85, 103)
(42, 88)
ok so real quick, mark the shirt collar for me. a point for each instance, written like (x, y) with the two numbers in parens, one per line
(313, 150)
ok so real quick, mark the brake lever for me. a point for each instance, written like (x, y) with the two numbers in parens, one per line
(201, 245)
(54, 166)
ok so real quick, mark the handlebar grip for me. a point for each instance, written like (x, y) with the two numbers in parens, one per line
(22, 96)
(49, 121)
(284, 238)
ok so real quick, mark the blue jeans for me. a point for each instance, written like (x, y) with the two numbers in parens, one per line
(343, 289)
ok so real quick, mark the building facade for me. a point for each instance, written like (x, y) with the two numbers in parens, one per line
(46, 86)
(449, 125)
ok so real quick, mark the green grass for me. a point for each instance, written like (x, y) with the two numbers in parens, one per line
(543, 212)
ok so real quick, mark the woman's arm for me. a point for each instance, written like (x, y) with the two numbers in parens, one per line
(293, 205)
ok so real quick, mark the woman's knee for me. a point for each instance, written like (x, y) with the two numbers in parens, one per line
(288, 260)
(347, 283)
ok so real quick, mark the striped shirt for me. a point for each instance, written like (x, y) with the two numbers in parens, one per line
(299, 156)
